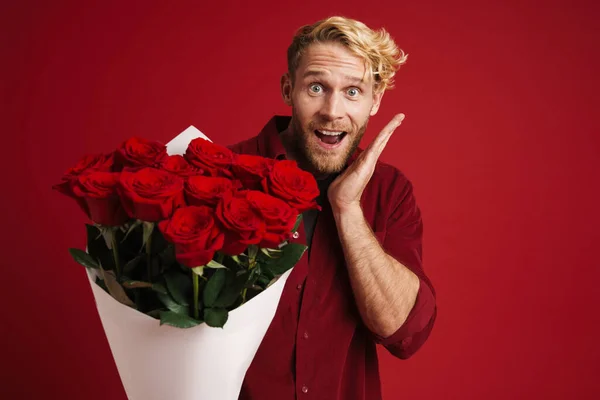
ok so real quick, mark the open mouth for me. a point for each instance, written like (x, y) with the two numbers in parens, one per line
(330, 137)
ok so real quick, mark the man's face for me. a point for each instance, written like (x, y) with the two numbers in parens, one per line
(332, 99)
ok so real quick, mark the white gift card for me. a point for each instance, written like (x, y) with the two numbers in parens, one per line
(179, 144)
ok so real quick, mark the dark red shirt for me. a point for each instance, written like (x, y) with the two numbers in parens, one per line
(317, 346)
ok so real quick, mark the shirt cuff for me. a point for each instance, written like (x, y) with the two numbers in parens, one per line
(417, 320)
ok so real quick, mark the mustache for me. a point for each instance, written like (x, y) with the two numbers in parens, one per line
(333, 128)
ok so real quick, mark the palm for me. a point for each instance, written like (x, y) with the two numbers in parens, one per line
(347, 189)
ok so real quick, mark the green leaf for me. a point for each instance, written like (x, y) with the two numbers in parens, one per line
(115, 289)
(157, 287)
(167, 256)
(148, 228)
(136, 284)
(231, 291)
(155, 313)
(237, 260)
(84, 258)
(266, 272)
(100, 283)
(177, 320)
(271, 253)
(292, 252)
(214, 264)
(213, 287)
(252, 251)
(262, 281)
(179, 286)
(132, 228)
(99, 245)
(172, 305)
(215, 317)
(159, 243)
(108, 234)
(160, 288)
(96, 245)
(297, 225)
(198, 270)
(132, 264)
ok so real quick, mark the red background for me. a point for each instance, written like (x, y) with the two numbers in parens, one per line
(501, 141)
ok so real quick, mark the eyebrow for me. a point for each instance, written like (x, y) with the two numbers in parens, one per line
(353, 79)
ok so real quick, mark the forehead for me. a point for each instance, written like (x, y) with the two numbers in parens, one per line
(332, 61)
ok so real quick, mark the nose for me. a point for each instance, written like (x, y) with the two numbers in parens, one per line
(333, 106)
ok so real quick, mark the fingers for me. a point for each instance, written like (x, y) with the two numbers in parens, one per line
(365, 163)
(382, 138)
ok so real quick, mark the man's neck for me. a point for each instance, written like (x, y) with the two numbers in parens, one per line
(286, 139)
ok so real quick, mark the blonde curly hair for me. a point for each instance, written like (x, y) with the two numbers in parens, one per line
(382, 56)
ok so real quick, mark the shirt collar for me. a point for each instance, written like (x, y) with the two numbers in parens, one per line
(269, 141)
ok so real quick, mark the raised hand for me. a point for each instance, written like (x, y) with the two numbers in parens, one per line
(345, 192)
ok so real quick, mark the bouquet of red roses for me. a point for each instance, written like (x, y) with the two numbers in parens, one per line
(187, 238)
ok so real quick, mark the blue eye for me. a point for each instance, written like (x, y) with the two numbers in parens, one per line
(315, 88)
(353, 92)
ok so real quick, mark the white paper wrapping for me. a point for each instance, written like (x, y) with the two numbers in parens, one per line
(201, 363)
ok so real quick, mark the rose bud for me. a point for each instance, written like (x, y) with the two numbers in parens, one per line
(150, 194)
(279, 217)
(251, 170)
(176, 164)
(206, 190)
(296, 187)
(86, 164)
(213, 159)
(137, 153)
(194, 233)
(98, 190)
(243, 225)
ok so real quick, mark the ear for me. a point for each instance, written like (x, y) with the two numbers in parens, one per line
(376, 103)
(286, 88)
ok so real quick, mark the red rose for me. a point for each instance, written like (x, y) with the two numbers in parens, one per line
(251, 170)
(194, 233)
(206, 190)
(136, 153)
(98, 191)
(293, 185)
(86, 164)
(279, 217)
(215, 160)
(150, 194)
(176, 164)
(243, 224)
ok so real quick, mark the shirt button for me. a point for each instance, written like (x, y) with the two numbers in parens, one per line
(296, 235)
(299, 286)
(304, 389)
(305, 335)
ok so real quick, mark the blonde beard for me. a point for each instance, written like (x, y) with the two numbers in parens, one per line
(317, 162)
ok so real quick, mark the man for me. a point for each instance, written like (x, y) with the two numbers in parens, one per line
(362, 281)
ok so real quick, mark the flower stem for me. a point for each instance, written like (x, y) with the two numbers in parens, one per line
(196, 290)
(149, 258)
(115, 252)
(252, 253)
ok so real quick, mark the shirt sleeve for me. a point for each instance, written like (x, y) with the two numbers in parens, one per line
(402, 239)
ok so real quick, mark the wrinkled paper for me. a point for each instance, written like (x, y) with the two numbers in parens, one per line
(200, 363)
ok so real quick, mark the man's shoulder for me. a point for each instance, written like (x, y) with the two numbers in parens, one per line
(387, 174)
(245, 146)
(391, 183)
